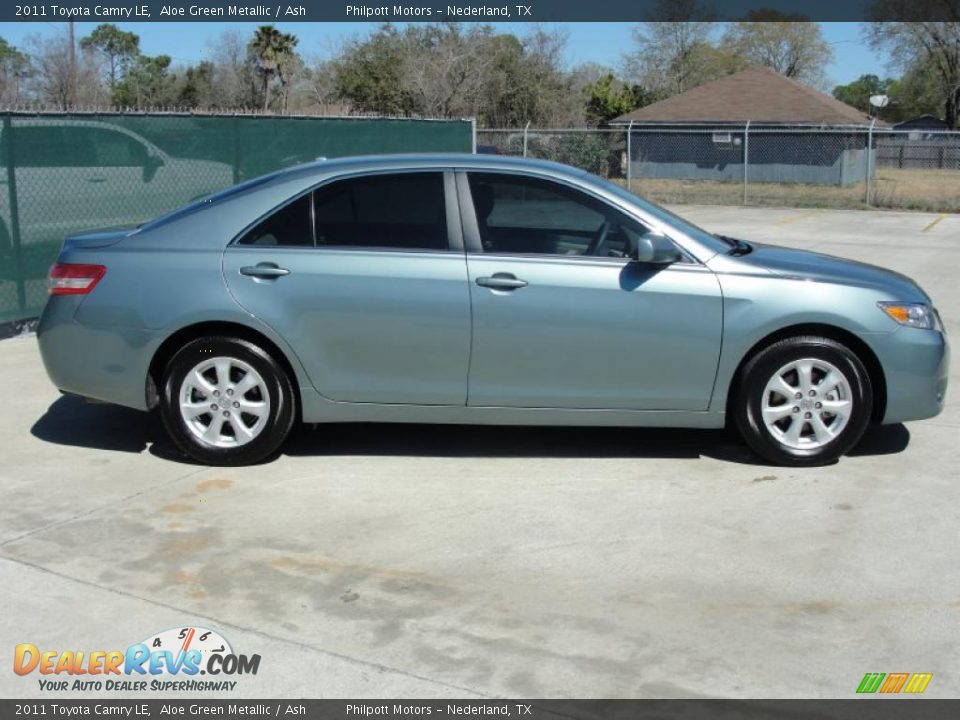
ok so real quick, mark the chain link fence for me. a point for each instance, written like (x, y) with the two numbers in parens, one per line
(66, 173)
(839, 167)
(601, 151)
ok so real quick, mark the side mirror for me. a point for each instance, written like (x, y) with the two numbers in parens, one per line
(655, 250)
(150, 167)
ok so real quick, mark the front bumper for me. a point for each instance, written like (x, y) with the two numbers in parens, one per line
(916, 366)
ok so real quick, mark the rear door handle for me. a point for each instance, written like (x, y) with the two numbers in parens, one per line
(264, 271)
(501, 281)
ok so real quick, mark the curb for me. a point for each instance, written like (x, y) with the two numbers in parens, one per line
(18, 328)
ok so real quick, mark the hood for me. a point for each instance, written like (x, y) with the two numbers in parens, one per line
(807, 265)
(98, 238)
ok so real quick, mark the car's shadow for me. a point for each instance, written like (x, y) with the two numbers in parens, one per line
(71, 421)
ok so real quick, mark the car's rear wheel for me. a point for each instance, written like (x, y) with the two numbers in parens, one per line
(803, 401)
(226, 401)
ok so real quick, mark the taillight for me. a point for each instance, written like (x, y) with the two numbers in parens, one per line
(74, 279)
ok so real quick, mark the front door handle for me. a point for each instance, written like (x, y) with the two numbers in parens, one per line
(264, 271)
(501, 281)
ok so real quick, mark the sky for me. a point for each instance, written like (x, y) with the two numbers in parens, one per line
(603, 43)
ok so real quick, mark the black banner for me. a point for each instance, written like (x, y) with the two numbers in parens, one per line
(875, 709)
(267, 11)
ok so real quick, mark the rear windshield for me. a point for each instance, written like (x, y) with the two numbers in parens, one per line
(208, 200)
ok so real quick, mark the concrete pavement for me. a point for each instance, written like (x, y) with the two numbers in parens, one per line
(412, 561)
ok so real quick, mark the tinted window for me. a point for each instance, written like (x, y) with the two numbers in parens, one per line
(290, 225)
(404, 211)
(517, 214)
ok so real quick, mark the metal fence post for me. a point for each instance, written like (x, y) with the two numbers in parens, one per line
(869, 164)
(526, 130)
(236, 149)
(14, 213)
(630, 156)
(746, 159)
(473, 132)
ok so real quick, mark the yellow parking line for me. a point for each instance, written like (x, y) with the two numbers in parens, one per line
(932, 225)
(789, 220)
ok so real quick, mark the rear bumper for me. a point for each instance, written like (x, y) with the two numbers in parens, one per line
(107, 364)
(916, 365)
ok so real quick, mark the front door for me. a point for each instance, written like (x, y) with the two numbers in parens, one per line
(563, 319)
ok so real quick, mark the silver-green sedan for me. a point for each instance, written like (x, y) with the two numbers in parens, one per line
(486, 290)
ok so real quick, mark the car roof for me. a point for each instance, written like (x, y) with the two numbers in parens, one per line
(368, 163)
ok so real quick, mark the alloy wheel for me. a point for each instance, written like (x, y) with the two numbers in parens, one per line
(224, 402)
(807, 403)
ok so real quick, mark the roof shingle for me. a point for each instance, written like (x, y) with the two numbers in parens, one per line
(760, 95)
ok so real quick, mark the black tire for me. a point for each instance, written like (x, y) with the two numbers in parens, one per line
(278, 419)
(779, 448)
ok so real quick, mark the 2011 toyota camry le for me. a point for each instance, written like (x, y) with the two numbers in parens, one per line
(484, 290)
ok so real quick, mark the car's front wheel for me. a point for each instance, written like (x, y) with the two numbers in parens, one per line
(226, 401)
(803, 401)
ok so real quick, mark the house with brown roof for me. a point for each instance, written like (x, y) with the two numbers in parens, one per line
(781, 129)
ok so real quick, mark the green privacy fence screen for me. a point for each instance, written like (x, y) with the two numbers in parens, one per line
(66, 173)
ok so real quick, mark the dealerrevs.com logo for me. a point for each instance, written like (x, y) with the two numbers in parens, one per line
(169, 661)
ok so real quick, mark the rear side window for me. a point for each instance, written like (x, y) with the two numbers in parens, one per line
(403, 211)
(288, 226)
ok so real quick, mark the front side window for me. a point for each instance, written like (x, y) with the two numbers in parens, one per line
(524, 215)
(403, 211)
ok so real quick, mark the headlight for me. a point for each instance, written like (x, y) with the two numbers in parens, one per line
(915, 315)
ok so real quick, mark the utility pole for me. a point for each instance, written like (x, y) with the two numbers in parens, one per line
(72, 71)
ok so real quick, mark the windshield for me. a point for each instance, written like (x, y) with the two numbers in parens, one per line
(709, 240)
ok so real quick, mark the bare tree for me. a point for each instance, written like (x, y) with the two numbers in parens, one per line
(915, 44)
(674, 50)
(234, 79)
(449, 71)
(785, 42)
(51, 76)
(322, 82)
(445, 67)
(550, 85)
(14, 68)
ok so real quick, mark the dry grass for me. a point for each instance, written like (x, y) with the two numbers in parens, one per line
(927, 190)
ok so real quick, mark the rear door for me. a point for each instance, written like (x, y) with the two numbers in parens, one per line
(561, 316)
(366, 279)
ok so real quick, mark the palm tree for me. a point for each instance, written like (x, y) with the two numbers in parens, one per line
(271, 51)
